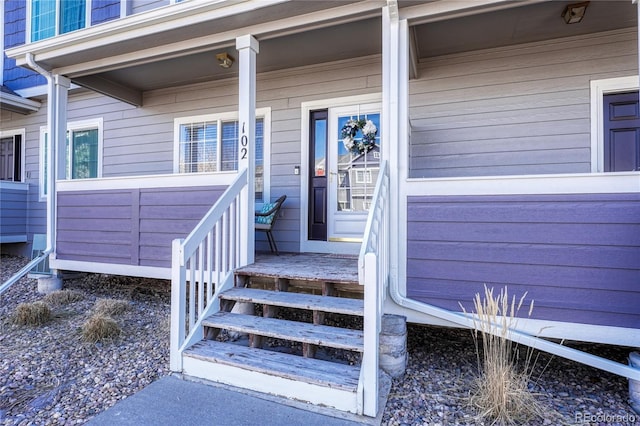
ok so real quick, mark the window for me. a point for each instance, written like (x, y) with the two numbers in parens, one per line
(210, 144)
(53, 17)
(82, 152)
(12, 155)
(363, 176)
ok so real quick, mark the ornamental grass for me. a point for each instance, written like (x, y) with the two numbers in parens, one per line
(33, 314)
(100, 328)
(500, 394)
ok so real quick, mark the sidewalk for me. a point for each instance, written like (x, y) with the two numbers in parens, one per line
(171, 401)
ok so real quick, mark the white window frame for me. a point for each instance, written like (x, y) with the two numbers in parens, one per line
(599, 88)
(95, 123)
(87, 19)
(23, 143)
(264, 113)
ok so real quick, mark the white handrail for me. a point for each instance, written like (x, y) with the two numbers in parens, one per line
(202, 267)
(373, 274)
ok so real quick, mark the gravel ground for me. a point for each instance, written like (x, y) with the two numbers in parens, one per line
(48, 375)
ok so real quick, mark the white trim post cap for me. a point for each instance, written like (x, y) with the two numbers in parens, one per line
(247, 41)
(61, 80)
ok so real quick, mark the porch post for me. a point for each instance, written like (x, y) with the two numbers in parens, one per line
(58, 88)
(247, 47)
(395, 77)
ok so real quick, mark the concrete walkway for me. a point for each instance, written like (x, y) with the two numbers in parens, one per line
(173, 401)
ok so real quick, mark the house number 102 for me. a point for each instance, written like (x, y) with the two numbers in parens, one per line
(244, 142)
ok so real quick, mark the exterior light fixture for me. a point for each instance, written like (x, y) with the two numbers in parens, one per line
(224, 60)
(574, 13)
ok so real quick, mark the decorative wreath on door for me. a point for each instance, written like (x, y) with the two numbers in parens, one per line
(368, 140)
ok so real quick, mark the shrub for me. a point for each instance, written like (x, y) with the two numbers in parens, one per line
(109, 307)
(36, 313)
(63, 297)
(500, 393)
(99, 328)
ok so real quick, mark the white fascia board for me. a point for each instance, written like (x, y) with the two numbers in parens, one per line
(17, 103)
(175, 16)
(446, 9)
(110, 268)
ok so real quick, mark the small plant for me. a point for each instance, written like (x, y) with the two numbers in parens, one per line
(63, 297)
(500, 394)
(109, 307)
(99, 328)
(36, 313)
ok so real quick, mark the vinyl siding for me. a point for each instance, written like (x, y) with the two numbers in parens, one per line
(577, 256)
(133, 226)
(138, 6)
(13, 214)
(14, 77)
(512, 111)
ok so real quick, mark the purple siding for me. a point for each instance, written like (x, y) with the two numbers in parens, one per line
(13, 214)
(104, 10)
(15, 77)
(577, 256)
(132, 226)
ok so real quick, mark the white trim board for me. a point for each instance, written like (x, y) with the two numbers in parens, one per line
(110, 268)
(599, 88)
(580, 183)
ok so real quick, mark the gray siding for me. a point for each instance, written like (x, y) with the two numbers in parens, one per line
(129, 226)
(137, 6)
(577, 256)
(512, 111)
(13, 214)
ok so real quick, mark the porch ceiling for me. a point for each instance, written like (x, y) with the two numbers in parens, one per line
(522, 24)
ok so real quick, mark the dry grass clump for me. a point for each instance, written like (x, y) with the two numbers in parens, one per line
(109, 307)
(99, 328)
(63, 297)
(500, 394)
(36, 313)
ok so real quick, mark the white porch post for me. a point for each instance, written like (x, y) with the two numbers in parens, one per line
(247, 47)
(58, 88)
(395, 89)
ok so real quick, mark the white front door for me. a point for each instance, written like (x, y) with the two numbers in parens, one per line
(353, 167)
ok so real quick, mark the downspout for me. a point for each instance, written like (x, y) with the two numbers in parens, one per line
(53, 122)
(397, 43)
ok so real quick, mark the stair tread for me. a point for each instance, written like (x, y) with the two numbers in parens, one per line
(294, 367)
(305, 267)
(321, 335)
(339, 305)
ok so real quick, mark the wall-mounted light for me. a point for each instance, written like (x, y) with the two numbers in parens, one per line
(574, 13)
(224, 60)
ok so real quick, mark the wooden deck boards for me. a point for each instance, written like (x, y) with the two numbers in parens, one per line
(309, 370)
(338, 305)
(321, 335)
(305, 266)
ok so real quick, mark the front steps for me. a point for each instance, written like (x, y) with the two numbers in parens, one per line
(271, 361)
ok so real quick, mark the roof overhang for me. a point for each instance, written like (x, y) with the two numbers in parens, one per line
(15, 103)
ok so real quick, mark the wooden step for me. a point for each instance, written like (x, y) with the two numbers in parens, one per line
(304, 267)
(291, 367)
(321, 335)
(338, 305)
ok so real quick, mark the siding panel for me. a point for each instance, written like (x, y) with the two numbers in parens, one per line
(577, 256)
(13, 214)
(517, 110)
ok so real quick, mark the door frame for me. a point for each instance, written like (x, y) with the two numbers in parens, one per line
(599, 88)
(307, 245)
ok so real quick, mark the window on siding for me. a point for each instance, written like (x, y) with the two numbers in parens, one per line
(53, 17)
(11, 156)
(82, 152)
(210, 144)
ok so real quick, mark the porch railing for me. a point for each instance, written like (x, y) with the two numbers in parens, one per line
(373, 274)
(202, 267)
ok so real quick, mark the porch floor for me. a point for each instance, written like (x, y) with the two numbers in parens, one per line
(337, 269)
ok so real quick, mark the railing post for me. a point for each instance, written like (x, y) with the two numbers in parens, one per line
(247, 47)
(371, 327)
(178, 303)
